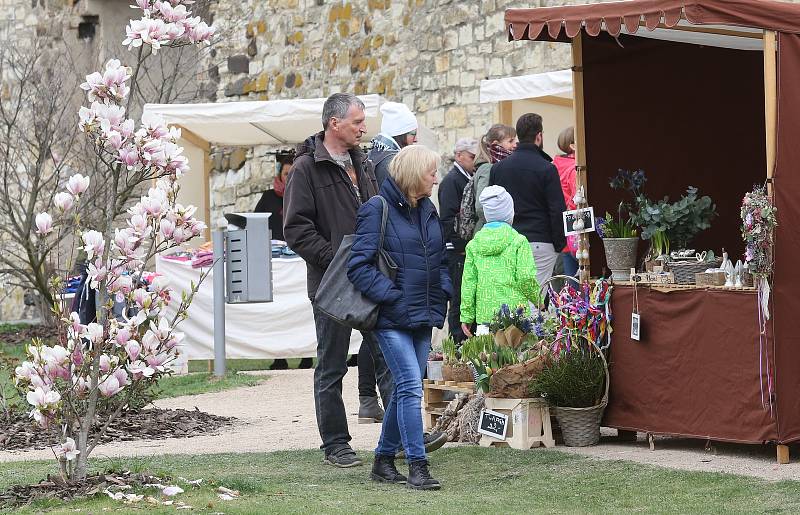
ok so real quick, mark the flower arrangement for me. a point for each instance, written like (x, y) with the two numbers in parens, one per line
(583, 312)
(505, 318)
(758, 227)
(607, 227)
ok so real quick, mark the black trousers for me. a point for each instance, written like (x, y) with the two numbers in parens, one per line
(455, 265)
(333, 342)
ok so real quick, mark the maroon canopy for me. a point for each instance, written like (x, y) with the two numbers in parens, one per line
(762, 14)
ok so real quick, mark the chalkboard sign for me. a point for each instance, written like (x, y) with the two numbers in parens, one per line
(493, 424)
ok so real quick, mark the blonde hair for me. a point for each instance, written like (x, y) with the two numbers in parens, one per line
(497, 132)
(409, 167)
(565, 139)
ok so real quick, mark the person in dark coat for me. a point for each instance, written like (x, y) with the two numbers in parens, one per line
(271, 201)
(451, 191)
(410, 306)
(331, 178)
(531, 179)
(398, 130)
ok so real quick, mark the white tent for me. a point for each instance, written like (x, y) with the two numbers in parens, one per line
(281, 123)
(548, 94)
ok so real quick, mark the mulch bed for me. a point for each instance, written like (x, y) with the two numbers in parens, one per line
(24, 335)
(56, 488)
(145, 424)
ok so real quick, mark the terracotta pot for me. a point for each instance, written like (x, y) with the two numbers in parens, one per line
(514, 336)
(620, 256)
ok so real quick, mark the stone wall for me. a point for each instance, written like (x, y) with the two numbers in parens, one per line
(430, 55)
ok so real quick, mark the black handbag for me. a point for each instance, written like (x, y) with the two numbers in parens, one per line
(336, 295)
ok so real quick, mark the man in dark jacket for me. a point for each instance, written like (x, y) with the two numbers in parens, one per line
(330, 180)
(529, 175)
(398, 130)
(451, 190)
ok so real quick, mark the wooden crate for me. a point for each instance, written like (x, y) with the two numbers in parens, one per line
(433, 395)
(530, 423)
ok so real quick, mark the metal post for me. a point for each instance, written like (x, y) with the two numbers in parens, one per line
(218, 240)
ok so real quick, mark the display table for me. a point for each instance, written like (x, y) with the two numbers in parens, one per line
(695, 372)
(283, 328)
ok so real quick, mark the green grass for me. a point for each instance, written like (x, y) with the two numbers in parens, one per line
(476, 480)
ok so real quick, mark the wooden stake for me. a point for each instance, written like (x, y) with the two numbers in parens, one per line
(770, 100)
(580, 142)
(783, 454)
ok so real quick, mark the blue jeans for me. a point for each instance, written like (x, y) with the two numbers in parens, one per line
(406, 354)
(570, 264)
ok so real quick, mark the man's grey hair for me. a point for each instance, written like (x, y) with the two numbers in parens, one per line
(337, 105)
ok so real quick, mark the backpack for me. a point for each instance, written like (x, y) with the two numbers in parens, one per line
(467, 218)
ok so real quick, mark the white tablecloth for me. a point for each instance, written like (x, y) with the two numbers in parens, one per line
(283, 328)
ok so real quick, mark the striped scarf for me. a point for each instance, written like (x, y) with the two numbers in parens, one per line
(497, 152)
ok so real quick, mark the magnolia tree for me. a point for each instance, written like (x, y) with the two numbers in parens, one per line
(78, 386)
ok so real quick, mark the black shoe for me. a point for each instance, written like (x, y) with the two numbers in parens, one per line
(419, 478)
(369, 410)
(343, 458)
(279, 364)
(306, 363)
(433, 441)
(384, 471)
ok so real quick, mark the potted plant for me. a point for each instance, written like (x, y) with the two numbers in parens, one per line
(453, 367)
(620, 241)
(435, 361)
(575, 383)
(574, 379)
(510, 327)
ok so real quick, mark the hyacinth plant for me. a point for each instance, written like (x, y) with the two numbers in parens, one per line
(79, 385)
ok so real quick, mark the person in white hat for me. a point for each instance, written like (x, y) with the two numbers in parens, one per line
(398, 130)
(451, 191)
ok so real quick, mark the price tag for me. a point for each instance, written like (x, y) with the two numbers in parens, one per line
(493, 424)
(636, 326)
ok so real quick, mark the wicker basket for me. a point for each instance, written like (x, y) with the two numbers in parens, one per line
(710, 278)
(460, 372)
(684, 271)
(580, 427)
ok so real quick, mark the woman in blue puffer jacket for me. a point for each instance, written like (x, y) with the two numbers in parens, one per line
(410, 306)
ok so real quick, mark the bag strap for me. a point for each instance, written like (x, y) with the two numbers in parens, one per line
(383, 220)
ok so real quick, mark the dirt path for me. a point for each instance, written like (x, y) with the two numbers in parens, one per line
(279, 415)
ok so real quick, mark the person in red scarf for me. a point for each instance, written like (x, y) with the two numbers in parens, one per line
(497, 144)
(272, 202)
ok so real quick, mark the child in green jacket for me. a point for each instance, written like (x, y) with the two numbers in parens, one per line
(499, 267)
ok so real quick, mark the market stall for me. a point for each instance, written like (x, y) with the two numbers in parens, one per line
(697, 93)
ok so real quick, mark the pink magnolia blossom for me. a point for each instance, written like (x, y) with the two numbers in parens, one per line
(167, 228)
(97, 273)
(55, 355)
(93, 332)
(63, 201)
(109, 386)
(77, 184)
(75, 322)
(77, 356)
(139, 369)
(43, 399)
(94, 243)
(200, 32)
(107, 362)
(44, 223)
(133, 349)
(67, 450)
(129, 156)
(123, 336)
(121, 375)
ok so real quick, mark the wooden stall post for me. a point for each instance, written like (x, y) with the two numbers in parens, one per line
(580, 146)
(770, 101)
(204, 210)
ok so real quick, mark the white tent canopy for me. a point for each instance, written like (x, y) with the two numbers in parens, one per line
(557, 83)
(272, 122)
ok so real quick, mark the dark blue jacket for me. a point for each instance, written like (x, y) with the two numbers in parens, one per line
(418, 296)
